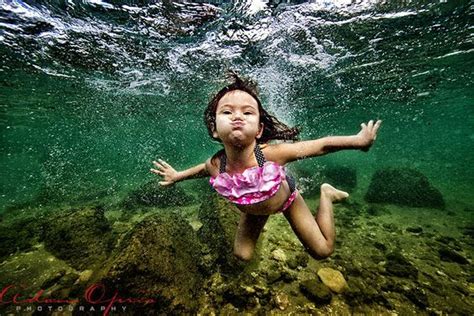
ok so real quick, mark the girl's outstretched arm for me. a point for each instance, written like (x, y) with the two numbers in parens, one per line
(287, 152)
(170, 175)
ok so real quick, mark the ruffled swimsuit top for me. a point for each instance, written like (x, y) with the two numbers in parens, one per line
(255, 184)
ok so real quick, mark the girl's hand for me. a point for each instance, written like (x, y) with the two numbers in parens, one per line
(367, 134)
(168, 173)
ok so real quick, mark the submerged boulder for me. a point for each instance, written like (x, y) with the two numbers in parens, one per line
(449, 255)
(80, 237)
(219, 225)
(153, 194)
(18, 234)
(316, 291)
(403, 186)
(333, 279)
(158, 259)
(399, 266)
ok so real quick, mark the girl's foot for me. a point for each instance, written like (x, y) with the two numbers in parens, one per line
(334, 194)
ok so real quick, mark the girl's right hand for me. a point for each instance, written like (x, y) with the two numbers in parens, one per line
(168, 173)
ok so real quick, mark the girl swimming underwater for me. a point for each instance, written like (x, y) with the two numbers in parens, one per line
(250, 172)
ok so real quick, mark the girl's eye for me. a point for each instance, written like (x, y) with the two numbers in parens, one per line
(248, 113)
(226, 112)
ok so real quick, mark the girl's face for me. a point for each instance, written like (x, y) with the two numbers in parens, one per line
(237, 119)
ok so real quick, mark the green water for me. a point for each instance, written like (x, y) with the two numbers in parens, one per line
(86, 121)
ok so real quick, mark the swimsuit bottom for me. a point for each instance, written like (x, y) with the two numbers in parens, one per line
(288, 202)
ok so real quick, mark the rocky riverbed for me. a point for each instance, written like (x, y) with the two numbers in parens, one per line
(174, 259)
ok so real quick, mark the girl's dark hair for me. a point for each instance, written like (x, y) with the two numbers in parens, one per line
(272, 127)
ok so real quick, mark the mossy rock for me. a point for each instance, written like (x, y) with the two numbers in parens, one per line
(159, 258)
(153, 194)
(219, 225)
(403, 186)
(364, 293)
(80, 237)
(18, 235)
(449, 255)
(399, 266)
(316, 291)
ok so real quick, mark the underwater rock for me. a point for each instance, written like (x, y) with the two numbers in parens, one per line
(449, 241)
(413, 293)
(399, 266)
(417, 296)
(333, 279)
(53, 279)
(238, 297)
(391, 227)
(84, 276)
(153, 194)
(363, 293)
(288, 276)
(238, 292)
(403, 186)
(449, 255)
(273, 276)
(300, 260)
(380, 246)
(64, 288)
(316, 291)
(279, 255)
(158, 259)
(219, 220)
(415, 230)
(80, 237)
(281, 301)
(18, 234)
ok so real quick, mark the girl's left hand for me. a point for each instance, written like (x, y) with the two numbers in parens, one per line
(367, 134)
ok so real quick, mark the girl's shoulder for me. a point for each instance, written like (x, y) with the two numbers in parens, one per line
(274, 152)
(268, 151)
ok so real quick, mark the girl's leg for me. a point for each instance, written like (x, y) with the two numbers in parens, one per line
(247, 235)
(318, 233)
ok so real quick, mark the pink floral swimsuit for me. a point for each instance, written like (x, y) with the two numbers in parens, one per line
(255, 184)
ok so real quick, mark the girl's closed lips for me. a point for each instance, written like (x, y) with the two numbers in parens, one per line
(237, 124)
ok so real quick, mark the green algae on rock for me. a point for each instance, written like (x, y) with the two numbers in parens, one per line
(219, 225)
(316, 291)
(403, 186)
(18, 234)
(81, 237)
(399, 266)
(449, 255)
(159, 258)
